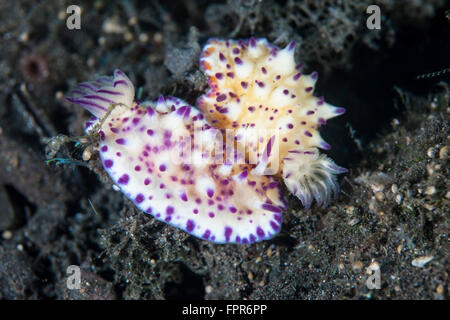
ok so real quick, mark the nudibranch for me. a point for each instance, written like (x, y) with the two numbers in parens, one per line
(170, 161)
(256, 87)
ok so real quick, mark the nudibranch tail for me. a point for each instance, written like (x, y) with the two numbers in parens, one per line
(256, 85)
(163, 156)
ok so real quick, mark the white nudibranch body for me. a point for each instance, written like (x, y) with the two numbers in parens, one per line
(213, 171)
(148, 151)
(255, 85)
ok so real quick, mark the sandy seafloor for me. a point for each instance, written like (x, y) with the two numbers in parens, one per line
(393, 210)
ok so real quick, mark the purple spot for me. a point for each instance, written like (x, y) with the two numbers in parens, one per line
(236, 51)
(290, 125)
(228, 232)
(150, 132)
(286, 91)
(252, 42)
(277, 217)
(108, 163)
(272, 208)
(120, 141)
(104, 148)
(124, 179)
(260, 232)
(137, 168)
(233, 209)
(230, 75)
(314, 75)
(190, 225)
(184, 197)
(219, 75)
(149, 210)
(206, 234)
(221, 97)
(147, 181)
(291, 45)
(308, 89)
(297, 76)
(238, 60)
(211, 214)
(339, 110)
(274, 225)
(243, 174)
(310, 112)
(210, 193)
(252, 238)
(139, 198)
(221, 56)
(170, 210)
(308, 134)
(162, 167)
(263, 70)
(244, 84)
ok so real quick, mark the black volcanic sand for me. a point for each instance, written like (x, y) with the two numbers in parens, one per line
(393, 210)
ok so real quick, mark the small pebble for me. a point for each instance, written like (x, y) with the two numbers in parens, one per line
(440, 289)
(357, 265)
(431, 152)
(87, 153)
(421, 261)
(350, 209)
(7, 234)
(353, 222)
(132, 21)
(443, 153)
(208, 289)
(143, 37)
(377, 187)
(430, 190)
(128, 36)
(394, 188)
(379, 196)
